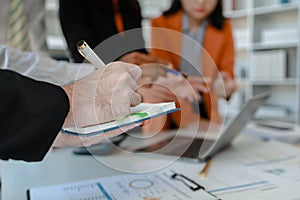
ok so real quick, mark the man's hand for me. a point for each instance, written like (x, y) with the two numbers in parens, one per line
(103, 96)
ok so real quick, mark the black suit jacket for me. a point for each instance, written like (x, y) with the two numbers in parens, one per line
(31, 115)
(93, 21)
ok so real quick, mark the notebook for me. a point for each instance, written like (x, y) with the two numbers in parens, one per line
(140, 113)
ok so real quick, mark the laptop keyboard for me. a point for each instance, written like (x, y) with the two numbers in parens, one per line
(178, 146)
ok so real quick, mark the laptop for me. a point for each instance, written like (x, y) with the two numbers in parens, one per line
(201, 149)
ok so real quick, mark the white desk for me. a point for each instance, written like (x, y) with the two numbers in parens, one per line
(62, 166)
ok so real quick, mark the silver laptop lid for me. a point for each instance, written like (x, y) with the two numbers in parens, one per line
(235, 126)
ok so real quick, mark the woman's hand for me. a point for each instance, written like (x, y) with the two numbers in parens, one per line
(199, 84)
(156, 94)
(224, 85)
(138, 58)
(184, 88)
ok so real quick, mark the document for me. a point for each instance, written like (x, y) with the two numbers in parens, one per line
(138, 114)
(285, 192)
(164, 185)
(249, 169)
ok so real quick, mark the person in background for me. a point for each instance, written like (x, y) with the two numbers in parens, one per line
(32, 112)
(41, 67)
(203, 25)
(23, 44)
(97, 20)
(22, 25)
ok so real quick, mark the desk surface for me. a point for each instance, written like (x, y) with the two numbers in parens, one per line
(62, 166)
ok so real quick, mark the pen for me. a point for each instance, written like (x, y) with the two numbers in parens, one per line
(172, 71)
(89, 54)
(204, 171)
(85, 50)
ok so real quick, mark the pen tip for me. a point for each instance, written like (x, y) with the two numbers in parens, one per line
(81, 44)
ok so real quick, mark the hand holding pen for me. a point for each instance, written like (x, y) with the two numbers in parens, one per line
(173, 82)
(111, 88)
(152, 67)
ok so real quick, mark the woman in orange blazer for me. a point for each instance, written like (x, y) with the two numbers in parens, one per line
(218, 56)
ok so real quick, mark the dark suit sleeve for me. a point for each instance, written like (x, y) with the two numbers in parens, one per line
(93, 21)
(31, 115)
(76, 25)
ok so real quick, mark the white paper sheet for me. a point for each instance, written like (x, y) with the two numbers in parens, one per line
(251, 169)
(154, 186)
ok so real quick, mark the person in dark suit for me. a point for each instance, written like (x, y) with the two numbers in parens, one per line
(97, 20)
(33, 112)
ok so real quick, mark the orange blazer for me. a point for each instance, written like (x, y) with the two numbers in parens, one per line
(218, 55)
